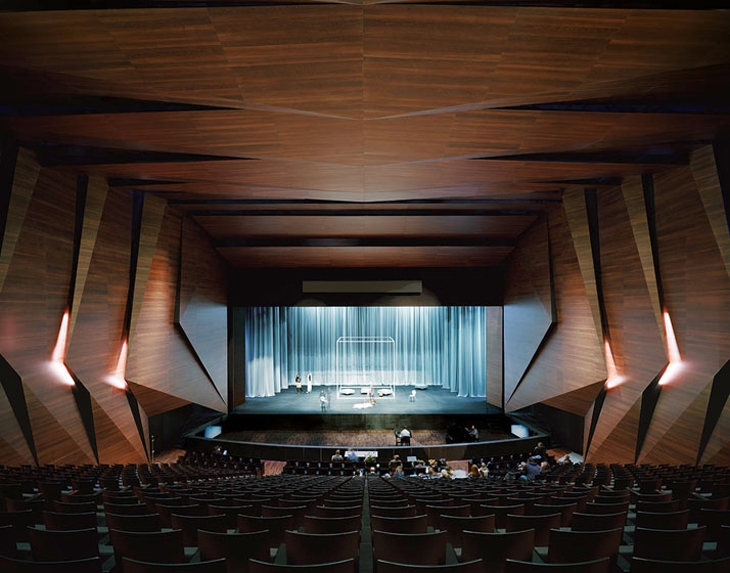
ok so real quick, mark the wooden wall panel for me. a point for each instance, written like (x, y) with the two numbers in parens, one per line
(347, 257)
(14, 449)
(697, 295)
(636, 342)
(633, 191)
(704, 171)
(24, 182)
(96, 193)
(203, 307)
(160, 357)
(32, 304)
(95, 348)
(527, 304)
(495, 356)
(571, 357)
(576, 211)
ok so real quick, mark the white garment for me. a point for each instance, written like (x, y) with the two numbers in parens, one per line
(309, 383)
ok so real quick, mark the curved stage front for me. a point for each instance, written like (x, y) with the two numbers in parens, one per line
(433, 412)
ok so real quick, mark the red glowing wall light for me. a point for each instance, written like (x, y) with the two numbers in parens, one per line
(675, 359)
(614, 378)
(58, 357)
(117, 379)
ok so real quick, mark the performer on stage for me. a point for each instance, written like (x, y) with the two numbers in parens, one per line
(309, 383)
(298, 384)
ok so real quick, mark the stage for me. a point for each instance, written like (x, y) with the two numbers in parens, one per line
(432, 400)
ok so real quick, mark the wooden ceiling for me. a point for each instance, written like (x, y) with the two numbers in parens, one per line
(364, 134)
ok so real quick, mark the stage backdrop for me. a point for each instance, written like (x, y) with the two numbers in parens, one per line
(432, 346)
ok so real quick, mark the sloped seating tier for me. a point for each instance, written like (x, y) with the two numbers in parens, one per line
(209, 508)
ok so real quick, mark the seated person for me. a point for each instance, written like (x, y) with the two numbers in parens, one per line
(351, 456)
(337, 457)
(394, 464)
(531, 469)
(405, 436)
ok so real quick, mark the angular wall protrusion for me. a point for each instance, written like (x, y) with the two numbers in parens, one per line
(704, 170)
(571, 357)
(153, 212)
(527, 305)
(89, 208)
(576, 212)
(204, 304)
(24, 176)
(633, 192)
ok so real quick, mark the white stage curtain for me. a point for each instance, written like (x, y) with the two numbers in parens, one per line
(439, 346)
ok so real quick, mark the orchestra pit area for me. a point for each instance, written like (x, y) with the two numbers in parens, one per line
(216, 513)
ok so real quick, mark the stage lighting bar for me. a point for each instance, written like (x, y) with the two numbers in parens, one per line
(352, 287)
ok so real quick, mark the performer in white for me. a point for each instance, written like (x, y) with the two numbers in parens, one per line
(309, 383)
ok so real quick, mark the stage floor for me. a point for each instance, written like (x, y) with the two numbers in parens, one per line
(433, 400)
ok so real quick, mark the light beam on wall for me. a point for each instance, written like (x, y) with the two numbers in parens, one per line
(675, 359)
(58, 356)
(117, 379)
(614, 378)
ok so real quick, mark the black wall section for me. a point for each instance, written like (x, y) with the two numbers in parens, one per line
(8, 157)
(86, 411)
(134, 407)
(718, 398)
(283, 287)
(649, 399)
(13, 387)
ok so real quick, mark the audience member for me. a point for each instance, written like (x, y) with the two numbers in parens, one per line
(337, 457)
(531, 469)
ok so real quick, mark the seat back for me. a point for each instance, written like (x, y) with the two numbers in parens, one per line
(501, 512)
(644, 565)
(597, 566)
(345, 566)
(147, 522)
(126, 508)
(314, 548)
(591, 522)
(46, 545)
(476, 566)
(275, 526)
(663, 520)
(714, 519)
(236, 548)
(496, 548)
(455, 525)
(152, 546)
(135, 566)
(314, 524)
(578, 546)
(414, 524)
(417, 548)
(67, 521)
(542, 524)
(189, 524)
(8, 545)
(669, 545)
(13, 565)
(393, 511)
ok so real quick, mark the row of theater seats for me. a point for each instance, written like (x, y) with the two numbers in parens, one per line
(339, 523)
(527, 527)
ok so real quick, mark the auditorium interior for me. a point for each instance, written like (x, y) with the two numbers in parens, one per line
(239, 236)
